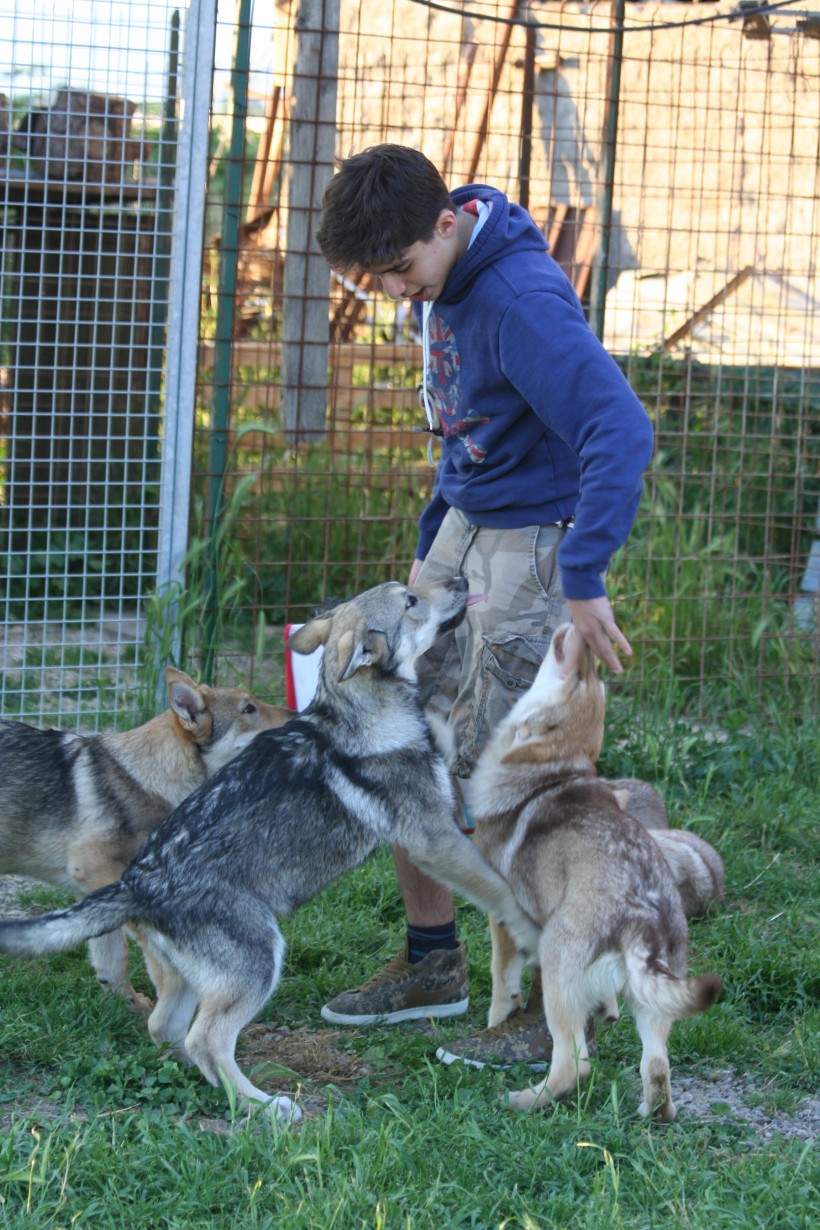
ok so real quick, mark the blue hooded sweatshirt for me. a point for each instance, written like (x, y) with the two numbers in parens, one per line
(538, 422)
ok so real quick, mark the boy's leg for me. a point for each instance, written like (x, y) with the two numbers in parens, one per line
(470, 679)
(515, 627)
(426, 902)
(429, 977)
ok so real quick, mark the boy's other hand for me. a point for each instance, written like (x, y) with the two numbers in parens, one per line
(414, 572)
(594, 625)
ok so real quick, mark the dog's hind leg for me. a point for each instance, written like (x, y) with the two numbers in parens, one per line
(176, 1003)
(655, 1073)
(507, 964)
(566, 1012)
(247, 976)
(211, 1044)
(109, 956)
(570, 1058)
(90, 865)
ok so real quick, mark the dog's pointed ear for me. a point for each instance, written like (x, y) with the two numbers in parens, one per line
(311, 635)
(526, 736)
(186, 698)
(521, 737)
(354, 653)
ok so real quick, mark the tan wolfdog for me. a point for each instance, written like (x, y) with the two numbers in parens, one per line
(594, 879)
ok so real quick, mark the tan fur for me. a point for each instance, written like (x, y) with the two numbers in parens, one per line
(148, 771)
(592, 877)
(641, 801)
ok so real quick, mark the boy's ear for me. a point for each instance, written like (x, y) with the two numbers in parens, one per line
(447, 223)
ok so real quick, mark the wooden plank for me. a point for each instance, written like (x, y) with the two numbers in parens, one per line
(343, 438)
(248, 352)
(706, 310)
(484, 126)
(406, 481)
(305, 324)
(345, 398)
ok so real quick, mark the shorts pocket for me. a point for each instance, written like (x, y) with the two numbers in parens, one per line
(509, 664)
(513, 660)
(546, 573)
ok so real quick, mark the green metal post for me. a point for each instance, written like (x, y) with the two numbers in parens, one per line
(225, 315)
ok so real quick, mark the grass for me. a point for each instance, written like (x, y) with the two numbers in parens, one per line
(101, 1130)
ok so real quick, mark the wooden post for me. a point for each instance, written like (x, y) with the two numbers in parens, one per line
(606, 185)
(305, 323)
(527, 101)
(258, 201)
(484, 126)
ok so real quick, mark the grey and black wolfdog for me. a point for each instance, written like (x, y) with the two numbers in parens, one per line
(74, 808)
(301, 805)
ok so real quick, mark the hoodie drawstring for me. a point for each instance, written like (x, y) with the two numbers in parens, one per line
(426, 311)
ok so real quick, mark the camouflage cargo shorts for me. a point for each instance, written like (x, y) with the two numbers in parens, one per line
(473, 675)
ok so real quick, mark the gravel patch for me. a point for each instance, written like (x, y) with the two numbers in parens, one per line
(729, 1097)
(107, 636)
(10, 888)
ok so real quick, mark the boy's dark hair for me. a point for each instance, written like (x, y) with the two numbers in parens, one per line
(380, 202)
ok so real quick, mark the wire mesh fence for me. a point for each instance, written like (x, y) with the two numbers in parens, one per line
(87, 164)
(670, 154)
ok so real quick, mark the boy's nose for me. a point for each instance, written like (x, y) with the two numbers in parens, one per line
(393, 284)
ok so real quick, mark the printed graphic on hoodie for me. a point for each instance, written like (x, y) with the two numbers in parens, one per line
(443, 389)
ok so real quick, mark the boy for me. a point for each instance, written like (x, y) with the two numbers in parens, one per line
(543, 446)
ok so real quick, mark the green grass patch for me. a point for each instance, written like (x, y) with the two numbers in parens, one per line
(98, 1128)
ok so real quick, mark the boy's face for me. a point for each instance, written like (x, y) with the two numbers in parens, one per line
(423, 268)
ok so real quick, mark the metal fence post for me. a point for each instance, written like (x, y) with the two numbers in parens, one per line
(225, 318)
(183, 319)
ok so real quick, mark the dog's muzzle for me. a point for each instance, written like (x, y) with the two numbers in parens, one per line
(459, 585)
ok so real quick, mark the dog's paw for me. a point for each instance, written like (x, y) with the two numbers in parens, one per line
(141, 1003)
(502, 1007)
(284, 1110)
(667, 1112)
(663, 1111)
(260, 1112)
(521, 1100)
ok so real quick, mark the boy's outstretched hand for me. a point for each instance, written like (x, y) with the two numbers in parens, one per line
(594, 625)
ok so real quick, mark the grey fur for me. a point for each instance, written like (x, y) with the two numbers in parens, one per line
(75, 808)
(696, 867)
(300, 806)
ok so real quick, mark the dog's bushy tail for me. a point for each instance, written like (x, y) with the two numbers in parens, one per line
(696, 868)
(654, 986)
(102, 911)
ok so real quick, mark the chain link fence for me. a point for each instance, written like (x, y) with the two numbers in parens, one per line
(670, 153)
(198, 446)
(87, 166)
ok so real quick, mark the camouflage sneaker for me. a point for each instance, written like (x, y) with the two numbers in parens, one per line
(522, 1038)
(436, 986)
